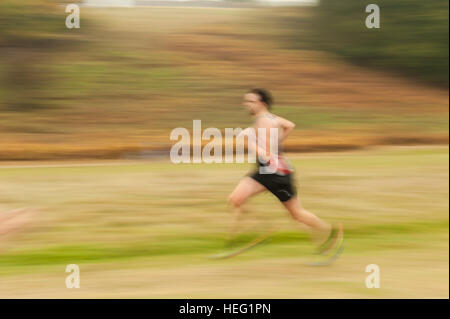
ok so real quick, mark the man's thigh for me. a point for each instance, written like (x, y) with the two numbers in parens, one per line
(246, 188)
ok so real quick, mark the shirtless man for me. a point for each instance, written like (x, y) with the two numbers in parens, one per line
(279, 180)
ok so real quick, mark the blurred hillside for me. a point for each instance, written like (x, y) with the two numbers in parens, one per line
(128, 76)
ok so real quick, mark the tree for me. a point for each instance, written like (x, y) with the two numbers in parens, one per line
(32, 32)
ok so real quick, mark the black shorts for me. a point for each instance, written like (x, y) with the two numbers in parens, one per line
(282, 186)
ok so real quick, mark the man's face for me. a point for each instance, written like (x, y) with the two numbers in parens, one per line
(253, 103)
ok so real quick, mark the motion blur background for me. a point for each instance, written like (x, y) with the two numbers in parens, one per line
(85, 118)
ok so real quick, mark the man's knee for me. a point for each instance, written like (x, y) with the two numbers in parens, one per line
(235, 200)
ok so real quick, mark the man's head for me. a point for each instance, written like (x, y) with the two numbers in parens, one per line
(257, 100)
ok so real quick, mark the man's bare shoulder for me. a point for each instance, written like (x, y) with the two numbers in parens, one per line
(266, 121)
(284, 122)
(279, 118)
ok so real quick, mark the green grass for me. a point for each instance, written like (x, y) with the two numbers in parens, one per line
(169, 218)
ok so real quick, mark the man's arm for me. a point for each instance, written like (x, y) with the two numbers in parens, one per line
(265, 151)
(287, 126)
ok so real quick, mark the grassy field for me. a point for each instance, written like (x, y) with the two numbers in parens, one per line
(138, 73)
(144, 229)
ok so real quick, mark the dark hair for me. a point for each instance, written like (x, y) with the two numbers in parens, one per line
(264, 96)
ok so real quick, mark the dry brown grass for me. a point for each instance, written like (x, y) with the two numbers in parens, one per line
(205, 59)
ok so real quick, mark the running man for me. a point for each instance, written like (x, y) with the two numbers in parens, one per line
(279, 181)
